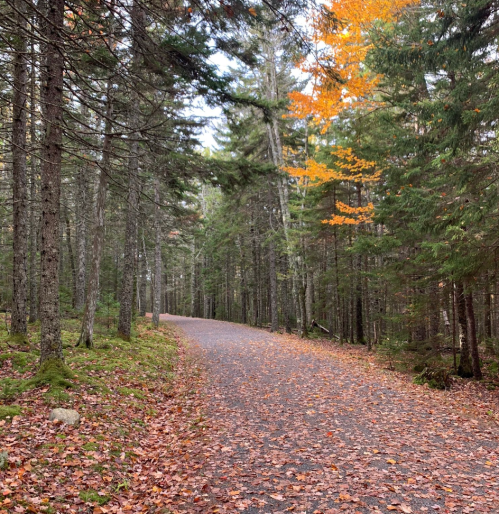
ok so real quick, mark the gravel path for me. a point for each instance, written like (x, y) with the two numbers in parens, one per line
(295, 429)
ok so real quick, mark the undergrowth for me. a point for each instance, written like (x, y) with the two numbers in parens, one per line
(83, 367)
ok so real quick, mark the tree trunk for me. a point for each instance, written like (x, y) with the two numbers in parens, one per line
(50, 341)
(309, 298)
(87, 325)
(157, 256)
(20, 191)
(465, 369)
(470, 317)
(70, 255)
(193, 283)
(33, 225)
(274, 313)
(488, 316)
(81, 239)
(142, 278)
(126, 295)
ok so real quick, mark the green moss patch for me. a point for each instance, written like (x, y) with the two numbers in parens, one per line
(9, 411)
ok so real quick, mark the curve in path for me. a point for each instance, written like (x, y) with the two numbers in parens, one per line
(297, 430)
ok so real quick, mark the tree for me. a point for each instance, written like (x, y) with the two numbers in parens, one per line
(52, 99)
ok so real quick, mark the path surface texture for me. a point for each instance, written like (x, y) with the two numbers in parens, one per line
(295, 428)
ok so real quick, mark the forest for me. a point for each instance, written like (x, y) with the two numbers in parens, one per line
(327, 171)
(365, 200)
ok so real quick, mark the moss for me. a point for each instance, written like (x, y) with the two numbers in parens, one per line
(90, 447)
(9, 411)
(11, 387)
(128, 391)
(19, 338)
(21, 361)
(92, 496)
(52, 372)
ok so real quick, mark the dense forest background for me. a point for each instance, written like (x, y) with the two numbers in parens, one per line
(353, 186)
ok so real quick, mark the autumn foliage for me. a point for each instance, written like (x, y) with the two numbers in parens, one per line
(341, 81)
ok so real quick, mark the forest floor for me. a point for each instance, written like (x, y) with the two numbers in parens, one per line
(296, 426)
(203, 416)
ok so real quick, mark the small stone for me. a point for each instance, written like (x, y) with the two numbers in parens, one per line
(4, 460)
(68, 416)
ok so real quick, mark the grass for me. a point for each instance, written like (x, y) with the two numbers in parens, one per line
(9, 411)
(92, 496)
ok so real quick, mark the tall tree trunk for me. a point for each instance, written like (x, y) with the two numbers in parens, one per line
(157, 255)
(70, 254)
(488, 316)
(285, 296)
(254, 292)
(309, 298)
(193, 279)
(20, 191)
(274, 313)
(127, 291)
(142, 278)
(33, 225)
(470, 317)
(87, 325)
(465, 369)
(359, 315)
(81, 238)
(50, 342)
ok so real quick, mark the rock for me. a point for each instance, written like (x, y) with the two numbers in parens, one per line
(68, 416)
(4, 460)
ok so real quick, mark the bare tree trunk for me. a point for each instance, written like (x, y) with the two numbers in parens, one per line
(309, 296)
(87, 325)
(465, 369)
(157, 256)
(70, 254)
(142, 278)
(285, 296)
(193, 284)
(81, 239)
(33, 225)
(20, 190)
(470, 316)
(274, 313)
(126, 295)
(50, 342)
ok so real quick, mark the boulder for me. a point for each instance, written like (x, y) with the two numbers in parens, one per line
(4, 460)
(68, 416)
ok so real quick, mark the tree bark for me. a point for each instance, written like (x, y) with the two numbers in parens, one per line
(87, 325)
(142, 278)
(20, 190)
(33, 225)
(50, 342)
(70, 254)
(309, 298)
(274, 313)
(157, 255)
(465, 369)
(81, 239)
(126, 295)
(470, 317)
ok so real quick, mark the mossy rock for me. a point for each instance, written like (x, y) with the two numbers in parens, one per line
(436, 378)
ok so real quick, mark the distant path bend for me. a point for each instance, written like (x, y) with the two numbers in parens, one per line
(300, 431)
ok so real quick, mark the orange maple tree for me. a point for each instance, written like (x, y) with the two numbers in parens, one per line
(341, 81)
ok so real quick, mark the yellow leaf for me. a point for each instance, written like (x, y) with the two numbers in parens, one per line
(391, 461)
(252, 11)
